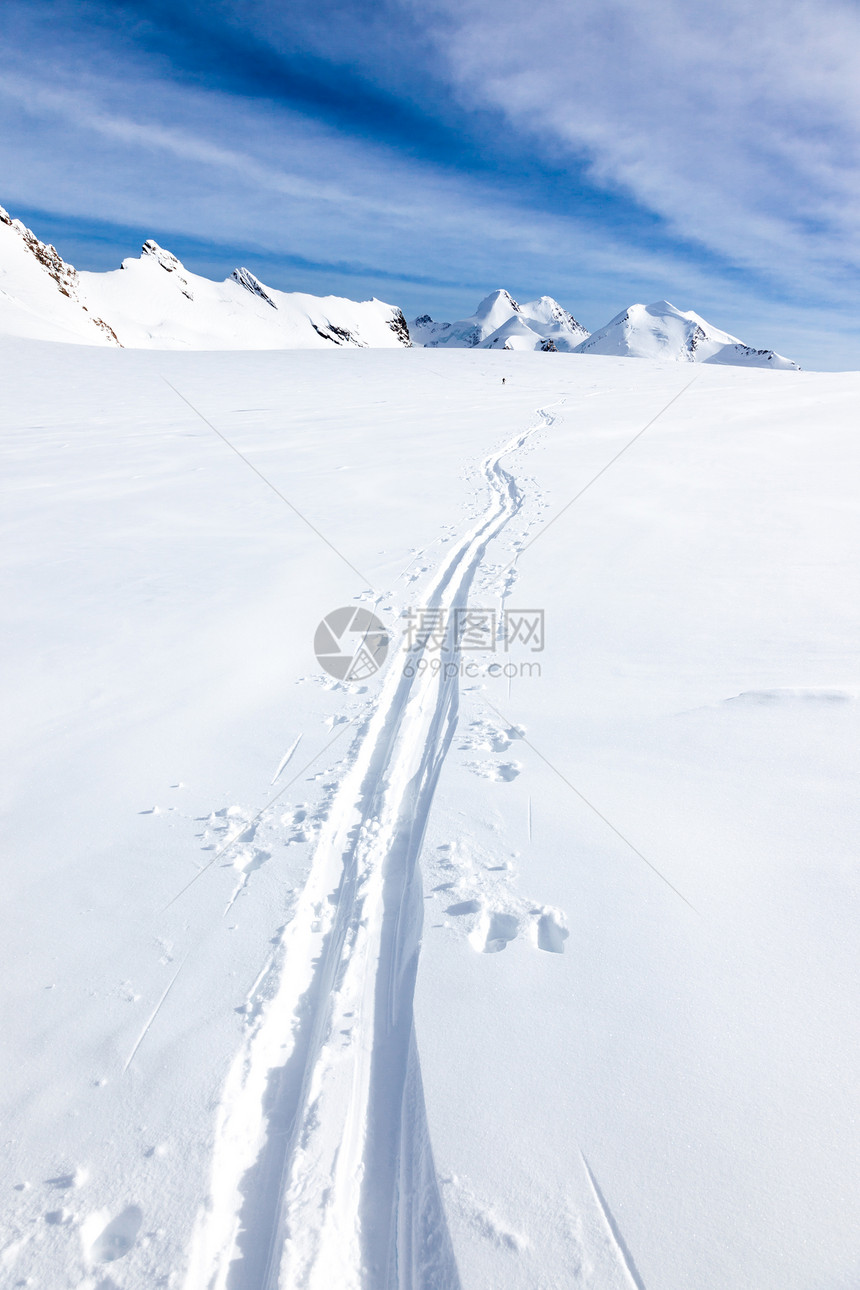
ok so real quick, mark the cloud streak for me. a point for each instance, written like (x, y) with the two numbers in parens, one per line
(738, 125)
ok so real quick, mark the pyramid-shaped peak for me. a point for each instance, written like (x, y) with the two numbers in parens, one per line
(496, 300)
(166, 259)
(246, 279)
(661, 307)
(548, 312)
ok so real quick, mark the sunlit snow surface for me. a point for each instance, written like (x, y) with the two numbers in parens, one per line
(634, 1047)
(154, 302)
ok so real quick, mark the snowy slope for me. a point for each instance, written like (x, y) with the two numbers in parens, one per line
(500, 322)
(662, 331)
(40, 295)
(451, 978)
(154, 302)
(547, 317)
(492, 312)
(515, 333)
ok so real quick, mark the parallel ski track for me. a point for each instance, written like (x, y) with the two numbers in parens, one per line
(323, 1173)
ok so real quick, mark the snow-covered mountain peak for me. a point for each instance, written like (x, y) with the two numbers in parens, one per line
(662, 331)
(494, 310)
(552, 321)
(659, 331)
(178, 309)
(166, 259)
(143, 271)
(47, 255)
(514, 333)
(499, 322)
(496, 302)
(547, 310)
(154, 302)
(40, 293)
(246, 279)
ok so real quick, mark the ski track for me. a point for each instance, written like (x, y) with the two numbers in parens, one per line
(323, 1172)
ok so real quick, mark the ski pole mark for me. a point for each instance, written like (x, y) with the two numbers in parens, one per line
(228, 846)
(155, 1013)
(615, 1232)
(285, 760)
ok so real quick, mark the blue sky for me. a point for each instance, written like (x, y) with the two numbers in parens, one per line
(429, 152)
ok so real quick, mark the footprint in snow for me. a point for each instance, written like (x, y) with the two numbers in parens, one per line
(114, 1240)
(495, 928)
(494, 931)
(487, 736)
(549, 931)
(58, 1217)
(462, 906)
(501, 772)
(482, 1218)
(251, 863)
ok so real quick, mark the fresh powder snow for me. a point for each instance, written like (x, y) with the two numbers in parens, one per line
(525, 959)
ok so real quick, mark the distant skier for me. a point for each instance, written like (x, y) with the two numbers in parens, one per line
(503, 380)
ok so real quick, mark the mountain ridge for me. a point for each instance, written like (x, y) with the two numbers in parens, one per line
(656, 331)
(660, 330)
(499, 322)
(153, 301)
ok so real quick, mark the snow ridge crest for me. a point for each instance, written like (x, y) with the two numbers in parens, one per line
(246, 279)
(154, 302)
(657, 331)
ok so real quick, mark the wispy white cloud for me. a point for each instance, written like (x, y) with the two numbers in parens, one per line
(254, 171)
(737, 124)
